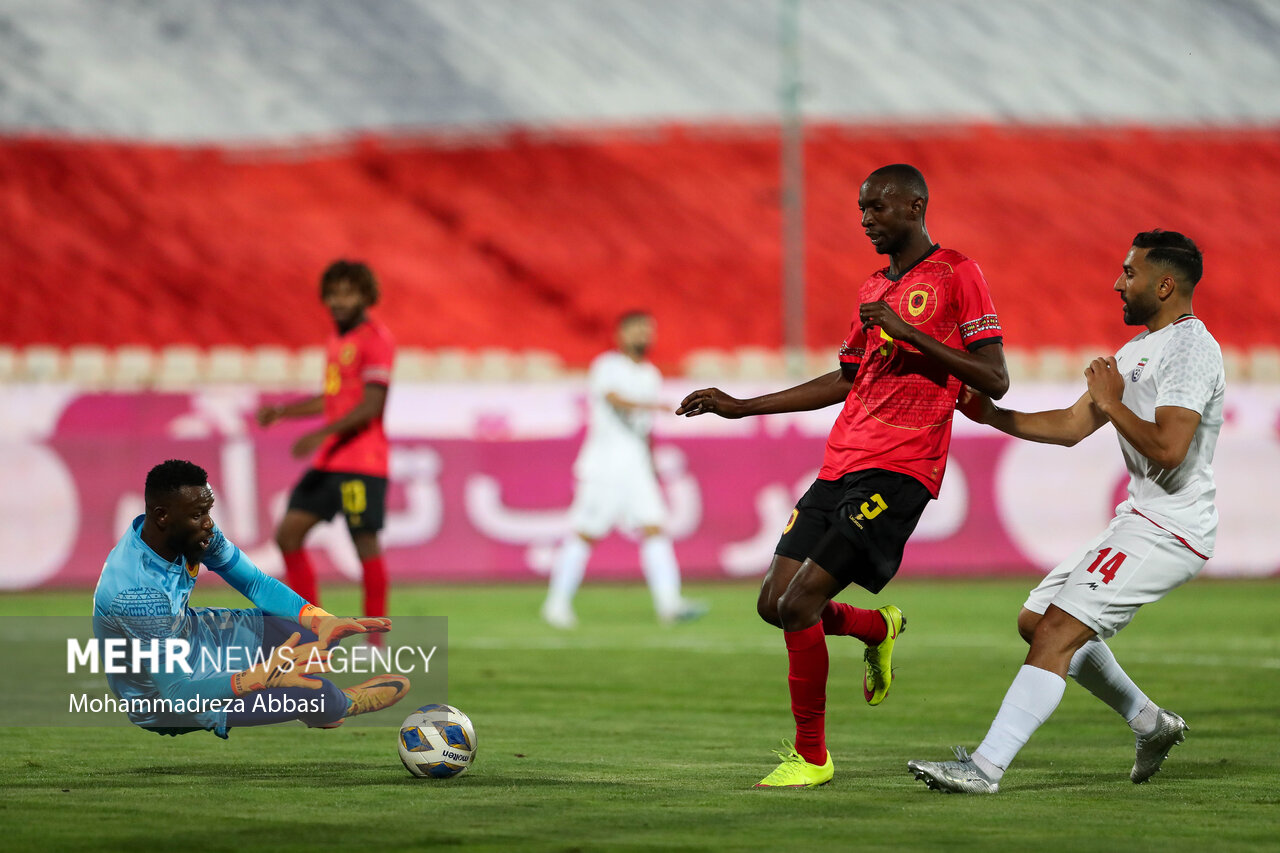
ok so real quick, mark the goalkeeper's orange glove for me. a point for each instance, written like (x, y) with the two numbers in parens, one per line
(330, 628)
(288, 665)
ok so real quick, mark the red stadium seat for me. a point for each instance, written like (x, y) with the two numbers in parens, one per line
(537, 242)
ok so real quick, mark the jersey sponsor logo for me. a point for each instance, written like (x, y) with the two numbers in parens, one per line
(332, 380)
(867, 511)
(918, 303)
(1137, 371)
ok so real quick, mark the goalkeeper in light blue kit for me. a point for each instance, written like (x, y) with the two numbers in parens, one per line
(280, 643)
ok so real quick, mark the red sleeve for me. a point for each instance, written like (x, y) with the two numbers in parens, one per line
(378, 354)
(975, 312)
(854, 347)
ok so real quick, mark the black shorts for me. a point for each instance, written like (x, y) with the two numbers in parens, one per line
(855, 527)
(360, 497)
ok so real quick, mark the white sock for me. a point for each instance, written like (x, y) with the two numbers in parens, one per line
(567, 571)
(1095, 669)
(1145, 721)
(1032, 698)
(658, 559)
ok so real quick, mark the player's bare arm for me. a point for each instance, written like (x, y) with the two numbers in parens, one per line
(983, 369)
(311, 406)
(826, 390)
(365, 412)
(1066, 427)
(1164, 442)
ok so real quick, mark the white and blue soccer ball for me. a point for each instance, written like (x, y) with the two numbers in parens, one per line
(437, 741)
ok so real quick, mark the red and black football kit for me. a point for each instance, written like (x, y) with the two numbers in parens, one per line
(887, 451)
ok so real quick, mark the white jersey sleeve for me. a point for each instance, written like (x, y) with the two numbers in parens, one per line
(1190, 372)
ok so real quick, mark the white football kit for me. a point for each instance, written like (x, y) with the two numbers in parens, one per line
(1164, 532)
(616, 484)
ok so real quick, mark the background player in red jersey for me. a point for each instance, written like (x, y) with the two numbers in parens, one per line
(925, 326)
(349, 472)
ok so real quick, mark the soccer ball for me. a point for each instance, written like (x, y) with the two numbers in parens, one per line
(438, 741)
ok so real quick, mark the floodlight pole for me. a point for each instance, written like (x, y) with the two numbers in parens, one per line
(792, 187)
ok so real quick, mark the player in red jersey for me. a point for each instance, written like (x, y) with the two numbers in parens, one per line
(349, 472)
(925, 327)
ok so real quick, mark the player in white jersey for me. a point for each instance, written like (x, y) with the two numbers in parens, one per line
(616, 486)
(1163, 392)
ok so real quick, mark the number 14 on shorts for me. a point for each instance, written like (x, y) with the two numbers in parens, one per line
(1107, 564)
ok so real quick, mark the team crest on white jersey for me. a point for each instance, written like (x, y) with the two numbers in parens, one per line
(1137, 371)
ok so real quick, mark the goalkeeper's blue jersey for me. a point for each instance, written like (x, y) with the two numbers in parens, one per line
(142, 596)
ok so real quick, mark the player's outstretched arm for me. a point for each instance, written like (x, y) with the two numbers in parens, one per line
(983, 368)
(826, 390)
(1058, 426)
(272, 412)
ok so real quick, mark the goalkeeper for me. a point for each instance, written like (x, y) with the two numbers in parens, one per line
(249, 667)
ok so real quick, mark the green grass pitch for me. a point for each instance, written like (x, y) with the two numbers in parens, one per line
(626, 736)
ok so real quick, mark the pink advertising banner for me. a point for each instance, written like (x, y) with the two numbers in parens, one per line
(481, 481)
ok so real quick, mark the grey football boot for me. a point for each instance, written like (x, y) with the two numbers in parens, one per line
(1150, 750)
(961, 776)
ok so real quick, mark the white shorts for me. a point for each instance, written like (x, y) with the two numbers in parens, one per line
(624, 496)
(1132, 563)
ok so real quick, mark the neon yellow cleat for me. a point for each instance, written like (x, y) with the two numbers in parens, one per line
(795, 772)
(879, 658)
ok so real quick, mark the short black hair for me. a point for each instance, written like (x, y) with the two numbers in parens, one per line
(1174, 251)
(904, 175)
(170, 477)
(356, 272)
(631, 316)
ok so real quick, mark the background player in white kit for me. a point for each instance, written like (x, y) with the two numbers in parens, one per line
(1164, 393)
(616, 486)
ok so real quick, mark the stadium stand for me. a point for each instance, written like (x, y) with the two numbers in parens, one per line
(193, 208)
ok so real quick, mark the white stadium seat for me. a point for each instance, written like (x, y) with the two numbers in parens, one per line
(412, 365)
(710, 364)
(272, 367)
(41, 363)
(451, 365)
(495, 365)
(309, 367)
(227, 364)
(758, 363)
(132, 367)
(8, 364)
(1264, 365)
(538, 365)
(88, 366)
(180, 368)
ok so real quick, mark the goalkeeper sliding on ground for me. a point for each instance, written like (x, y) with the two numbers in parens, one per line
(224, 667)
